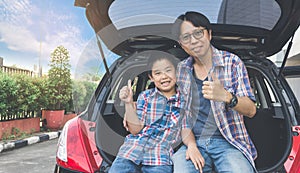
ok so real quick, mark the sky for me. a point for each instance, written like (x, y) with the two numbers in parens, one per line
(31, 29)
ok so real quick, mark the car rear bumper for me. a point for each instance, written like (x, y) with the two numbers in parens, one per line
(59, 169)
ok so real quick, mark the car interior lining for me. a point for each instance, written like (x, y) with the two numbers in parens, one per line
(266, 129)
(113, 113)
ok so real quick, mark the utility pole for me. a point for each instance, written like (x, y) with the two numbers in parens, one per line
(40, 68)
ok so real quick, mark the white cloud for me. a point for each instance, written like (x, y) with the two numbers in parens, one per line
(26, 27)
(15, 24)
(16, 11)
(18, 38)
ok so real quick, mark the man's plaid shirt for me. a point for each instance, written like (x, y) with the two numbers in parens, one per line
(232, 73)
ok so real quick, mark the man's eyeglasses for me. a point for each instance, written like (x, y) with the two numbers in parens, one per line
(197, 34)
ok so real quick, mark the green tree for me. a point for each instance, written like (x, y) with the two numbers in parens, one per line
(59, 81)
(8, 96)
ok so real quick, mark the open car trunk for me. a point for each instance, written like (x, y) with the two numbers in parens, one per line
(270, 129)
(253, 30)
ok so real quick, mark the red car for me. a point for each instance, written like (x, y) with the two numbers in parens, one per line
(252, 29)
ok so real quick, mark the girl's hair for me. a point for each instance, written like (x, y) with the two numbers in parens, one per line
(197, 19)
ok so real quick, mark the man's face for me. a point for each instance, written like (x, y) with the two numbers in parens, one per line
(163, 75)
(194, 42)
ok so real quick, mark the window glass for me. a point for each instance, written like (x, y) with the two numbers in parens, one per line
(258, 13)
(256, 88)
(262, 89)
(114, 93)
(270, 92)
(90, 70)
(116, 88)
(91, 64)
(294, 83)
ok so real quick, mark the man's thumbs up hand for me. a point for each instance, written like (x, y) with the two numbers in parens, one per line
(214, 90)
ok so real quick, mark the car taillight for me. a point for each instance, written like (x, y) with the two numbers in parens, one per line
(62, 144)
(76, 147)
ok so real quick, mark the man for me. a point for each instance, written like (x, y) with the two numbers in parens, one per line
(219, 141)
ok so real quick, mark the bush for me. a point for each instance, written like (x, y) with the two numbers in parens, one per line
(28, 94)
(42, 101)
(21, 94)
(8, 96)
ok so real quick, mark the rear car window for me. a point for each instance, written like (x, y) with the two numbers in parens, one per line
(126, 13)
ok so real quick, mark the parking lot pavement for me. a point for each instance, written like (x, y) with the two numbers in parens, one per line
(10, 145)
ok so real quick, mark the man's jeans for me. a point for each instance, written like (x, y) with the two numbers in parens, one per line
(121, 165)
(219, 156)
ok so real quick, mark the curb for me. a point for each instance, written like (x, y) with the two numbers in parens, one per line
(28, 141)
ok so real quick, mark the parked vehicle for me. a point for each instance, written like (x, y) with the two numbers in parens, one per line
(126, 30)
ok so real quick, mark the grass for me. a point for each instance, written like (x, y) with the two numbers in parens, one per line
(17, 134)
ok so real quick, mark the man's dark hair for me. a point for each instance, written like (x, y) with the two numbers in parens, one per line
(197, 19)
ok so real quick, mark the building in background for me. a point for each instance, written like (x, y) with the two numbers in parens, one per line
(293, 61)
(16, 70)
